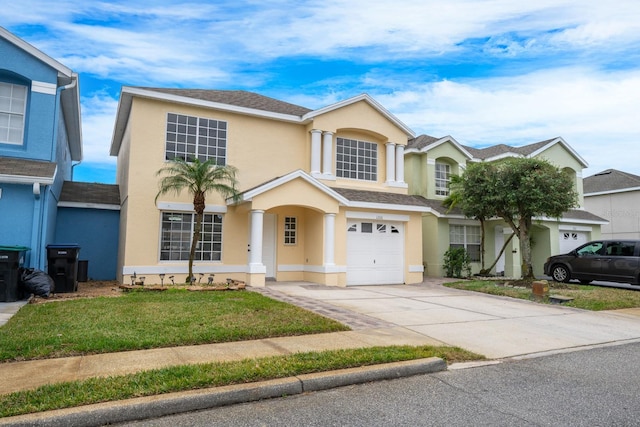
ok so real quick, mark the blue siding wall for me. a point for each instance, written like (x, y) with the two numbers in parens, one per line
(15, 229)
(96, 231)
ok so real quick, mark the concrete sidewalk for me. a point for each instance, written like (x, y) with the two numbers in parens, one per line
(428, 313)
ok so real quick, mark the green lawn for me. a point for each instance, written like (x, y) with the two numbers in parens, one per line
(142, 320)
(587, 297)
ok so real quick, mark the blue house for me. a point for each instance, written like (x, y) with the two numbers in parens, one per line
(40, 139)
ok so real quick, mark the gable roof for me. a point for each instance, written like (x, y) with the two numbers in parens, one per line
(369, 100)
(501, 151)
(610, 181)
(89, 194)
(425, 143)
(24, 171)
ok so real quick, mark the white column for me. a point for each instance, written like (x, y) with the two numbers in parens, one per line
(329, 238)
(315, 150)
(400, 164)
(327, 152)
(255, 249)
(391, 162)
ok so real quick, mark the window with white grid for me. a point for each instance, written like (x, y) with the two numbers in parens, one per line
(467, 237)
(13, 104)
(290, 230)
(443, 173)
(356, 159)
(177, 232)
(190, 137)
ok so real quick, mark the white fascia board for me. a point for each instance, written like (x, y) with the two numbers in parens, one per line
(377, 216)
(188, 207)
(18, 179)
(389, 207)
(562, 142)
(88, 206)
(444, 140)
(33, 51)
(247, 196)
(571, 220)
(362, 97)
(503, 156)
(604, 193)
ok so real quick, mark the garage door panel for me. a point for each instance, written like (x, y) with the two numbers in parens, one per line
(569, 240)
(375, 253)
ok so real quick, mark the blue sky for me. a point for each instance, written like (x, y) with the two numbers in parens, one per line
(484, 72)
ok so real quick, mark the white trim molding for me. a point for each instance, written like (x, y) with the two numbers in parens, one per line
(416, 268)
(188, 207)
(376, 216)
(42, 87)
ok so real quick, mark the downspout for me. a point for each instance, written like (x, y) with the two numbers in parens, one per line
(54, 145)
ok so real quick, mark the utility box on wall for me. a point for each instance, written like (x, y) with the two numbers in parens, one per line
(63, 266)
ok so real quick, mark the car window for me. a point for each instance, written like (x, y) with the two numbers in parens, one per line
(594, 248)
(621, 248)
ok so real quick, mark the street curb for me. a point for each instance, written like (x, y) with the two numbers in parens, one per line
(173, 403)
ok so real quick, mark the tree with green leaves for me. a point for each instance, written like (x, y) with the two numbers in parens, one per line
(516, 190)
(526, 188)
(468, 193)
(198, 178)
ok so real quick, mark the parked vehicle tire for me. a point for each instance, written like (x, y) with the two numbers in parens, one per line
(560, 273)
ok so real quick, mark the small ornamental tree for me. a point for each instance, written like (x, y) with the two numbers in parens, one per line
(198, 178)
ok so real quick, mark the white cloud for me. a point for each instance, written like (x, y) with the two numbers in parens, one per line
(98, 118)
(595, 112)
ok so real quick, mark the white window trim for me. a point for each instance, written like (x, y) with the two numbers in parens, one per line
(294, 231)
(446, 180)
(377, 161)
(197, 135)
(24, 114)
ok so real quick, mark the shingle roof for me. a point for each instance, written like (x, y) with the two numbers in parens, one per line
(610, 180)
(421, 141)
(582, 215)
(90, 192)
(238, 98)
(381, 197)
(496, 150)
(27, 168)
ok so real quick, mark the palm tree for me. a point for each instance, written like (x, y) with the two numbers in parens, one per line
(198, 178)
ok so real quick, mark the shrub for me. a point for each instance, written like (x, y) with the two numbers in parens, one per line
(457, 263)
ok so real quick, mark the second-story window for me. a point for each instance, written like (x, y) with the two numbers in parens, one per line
(356, 159)
(443, 177)
(190, 137)
(13, 102)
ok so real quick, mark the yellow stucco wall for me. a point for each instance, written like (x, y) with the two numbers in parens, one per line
(261, 149)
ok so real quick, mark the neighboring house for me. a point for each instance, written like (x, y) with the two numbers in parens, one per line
(323, 196)
(40, 142)
(89, 215)
(40, 137)
(615, 196)
(429, 164)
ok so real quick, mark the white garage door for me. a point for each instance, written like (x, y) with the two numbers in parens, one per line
(569, 240)
(375, 252)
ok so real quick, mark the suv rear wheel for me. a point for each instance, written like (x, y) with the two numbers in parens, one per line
(560, 273)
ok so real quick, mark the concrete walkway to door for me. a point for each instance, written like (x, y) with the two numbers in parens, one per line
(497, 327)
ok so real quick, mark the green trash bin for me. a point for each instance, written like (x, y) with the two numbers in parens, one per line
(11, 260)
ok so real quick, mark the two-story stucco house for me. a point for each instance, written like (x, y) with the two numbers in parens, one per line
(615, 196)
(40, 138)
(431, 161)
(323, 194)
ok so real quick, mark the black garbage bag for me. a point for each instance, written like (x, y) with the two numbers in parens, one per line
(37, 282)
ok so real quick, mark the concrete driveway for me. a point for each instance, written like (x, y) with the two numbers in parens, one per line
(497, 327)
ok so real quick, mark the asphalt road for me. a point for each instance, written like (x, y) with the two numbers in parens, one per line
(597, 387)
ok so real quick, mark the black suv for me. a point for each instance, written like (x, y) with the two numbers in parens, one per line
(608, 260)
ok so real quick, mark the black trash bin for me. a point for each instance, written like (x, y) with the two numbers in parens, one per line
(11, 259)
(63, 266)
(83, 270)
